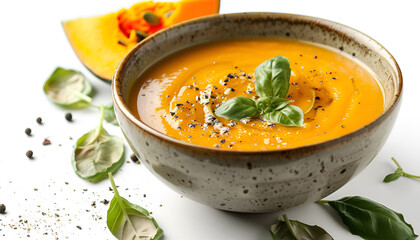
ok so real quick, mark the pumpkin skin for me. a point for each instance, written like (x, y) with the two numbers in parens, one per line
(101, 42)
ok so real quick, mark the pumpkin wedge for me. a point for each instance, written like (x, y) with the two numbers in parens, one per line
(101, 42)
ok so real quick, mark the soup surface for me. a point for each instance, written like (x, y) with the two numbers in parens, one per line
(337, 94)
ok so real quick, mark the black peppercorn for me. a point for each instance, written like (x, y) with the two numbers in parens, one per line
(29, 154)
(134, 158)
(2, 208)
(68, 117)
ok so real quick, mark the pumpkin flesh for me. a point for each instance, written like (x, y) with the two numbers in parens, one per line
(101, 42)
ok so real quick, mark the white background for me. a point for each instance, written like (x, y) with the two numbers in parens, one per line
(33, 44)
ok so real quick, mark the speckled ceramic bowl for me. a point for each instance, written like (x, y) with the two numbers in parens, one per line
(257, 181)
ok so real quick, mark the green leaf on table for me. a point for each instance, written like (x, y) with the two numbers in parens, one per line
(97, 153)
(68, 89)
(398, 173)
(237, 108)
(294, 230)
(272, 77)
(109, 114)
(270, 104)
(290, 115)
(128, 221)
(371, 220)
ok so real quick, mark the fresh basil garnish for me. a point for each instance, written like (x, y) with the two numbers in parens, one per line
(294, 230)
(272, 85)
(371, 220)
(68, 89)
(290, 116)
(272, 77)
(270, 104)
(97, 153)
(398, 173)
(237, 108)
(128, 221)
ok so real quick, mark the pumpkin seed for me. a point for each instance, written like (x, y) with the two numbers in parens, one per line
(168, 14)
(140, 35)
(151, 18)
(121, 42)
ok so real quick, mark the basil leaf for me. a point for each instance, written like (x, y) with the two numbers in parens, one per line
(128, 221)
(290, 115)
(269, 104)
(109, 114)
(394, 176)
(295, 230)
(371, 220)
(237, 108)
(272, 77)
(68, 89)
(97, 153)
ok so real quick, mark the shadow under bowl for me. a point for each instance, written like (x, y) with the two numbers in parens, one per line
(257, 181)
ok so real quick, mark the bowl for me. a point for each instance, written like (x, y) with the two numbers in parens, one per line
(257, 181)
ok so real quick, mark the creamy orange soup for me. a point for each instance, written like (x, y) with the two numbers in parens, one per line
(337, 94)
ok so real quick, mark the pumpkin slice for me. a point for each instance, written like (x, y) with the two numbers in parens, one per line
(101, 42)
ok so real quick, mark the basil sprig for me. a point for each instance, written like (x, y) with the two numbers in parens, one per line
(398, 173)
(128, 221)
(271, 85)
(371, 220)
(294, 230)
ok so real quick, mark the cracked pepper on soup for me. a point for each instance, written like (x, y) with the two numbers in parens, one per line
(178, 95)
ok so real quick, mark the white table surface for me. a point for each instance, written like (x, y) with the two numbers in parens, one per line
(40, 205)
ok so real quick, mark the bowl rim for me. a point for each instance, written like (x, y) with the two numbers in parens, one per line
(118, 99)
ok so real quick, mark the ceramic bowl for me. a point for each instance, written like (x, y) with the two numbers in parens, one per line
(257, 181)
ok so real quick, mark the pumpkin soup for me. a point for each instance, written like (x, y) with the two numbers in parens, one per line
(180, 94)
